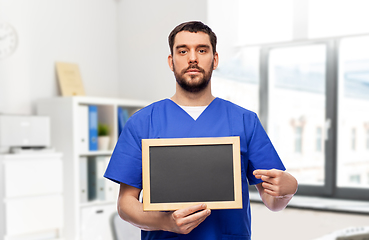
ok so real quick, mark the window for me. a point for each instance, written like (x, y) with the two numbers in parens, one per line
(355, 179)
(298, 139)
(309, 86)
(318, 140)
(311, 95)
(353, 139)
(237, 80)
(296, 106)
(353, 117)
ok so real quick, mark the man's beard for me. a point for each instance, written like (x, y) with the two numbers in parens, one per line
(194, 86)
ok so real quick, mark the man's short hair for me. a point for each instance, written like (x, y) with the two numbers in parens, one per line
(193, 26)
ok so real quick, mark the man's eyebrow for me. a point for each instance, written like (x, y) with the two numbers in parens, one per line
(181, 46)
(203, 46)
(199, 46)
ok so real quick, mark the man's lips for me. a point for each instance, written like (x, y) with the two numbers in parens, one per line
(193, 71)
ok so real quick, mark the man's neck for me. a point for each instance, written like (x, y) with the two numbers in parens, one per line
(185, 98)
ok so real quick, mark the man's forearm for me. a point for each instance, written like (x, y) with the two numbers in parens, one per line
(131, 210)
(181, 221)
(276, 203)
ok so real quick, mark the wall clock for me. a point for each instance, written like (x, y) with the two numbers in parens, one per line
(8, 39)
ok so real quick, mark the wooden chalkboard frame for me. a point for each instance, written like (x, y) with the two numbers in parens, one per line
(235, 203)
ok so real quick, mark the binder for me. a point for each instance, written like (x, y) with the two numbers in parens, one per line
(111, 188)
(83, 128)
(92, 126)
(83, 179)
(91, 179)
(100, 180)
(96, 180)
(122, 118)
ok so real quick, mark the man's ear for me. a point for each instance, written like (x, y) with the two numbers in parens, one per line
(216, 60)
(170, 61)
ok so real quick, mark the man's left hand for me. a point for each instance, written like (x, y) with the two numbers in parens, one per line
(277, 183)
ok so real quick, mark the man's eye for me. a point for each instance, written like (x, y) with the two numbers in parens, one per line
(202, 51)
(183, 52)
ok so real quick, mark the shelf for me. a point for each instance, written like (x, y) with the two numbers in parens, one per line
(69, 133)
(96, 153)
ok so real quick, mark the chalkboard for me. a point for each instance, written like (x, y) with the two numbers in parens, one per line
(181, 172)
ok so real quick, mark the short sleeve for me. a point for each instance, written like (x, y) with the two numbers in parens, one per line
(261, 152)
(125, 164)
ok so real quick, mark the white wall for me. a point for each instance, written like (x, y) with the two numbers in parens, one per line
(120, 46)
(144, 27)
(82, 32)
(223, 19)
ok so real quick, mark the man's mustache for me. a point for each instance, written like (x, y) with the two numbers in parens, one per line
(193, 66)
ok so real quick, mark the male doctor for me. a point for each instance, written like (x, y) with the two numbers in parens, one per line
(194, 112)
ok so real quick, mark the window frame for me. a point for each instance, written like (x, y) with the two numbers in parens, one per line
(329, 189)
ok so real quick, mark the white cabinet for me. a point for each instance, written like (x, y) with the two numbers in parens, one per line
(85, 217)
(96, 222)
(31, 196)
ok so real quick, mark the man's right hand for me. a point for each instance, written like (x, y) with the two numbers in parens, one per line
(183, 221)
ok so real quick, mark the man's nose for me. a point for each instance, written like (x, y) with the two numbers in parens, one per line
(192, 57)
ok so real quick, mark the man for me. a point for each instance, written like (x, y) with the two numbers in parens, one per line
(194, 112)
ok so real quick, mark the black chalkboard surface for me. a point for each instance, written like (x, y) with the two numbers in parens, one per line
(181, 172)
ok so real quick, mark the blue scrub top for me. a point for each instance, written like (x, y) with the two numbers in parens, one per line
(165, 119)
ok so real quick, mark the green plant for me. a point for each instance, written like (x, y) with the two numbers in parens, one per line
(103, 129)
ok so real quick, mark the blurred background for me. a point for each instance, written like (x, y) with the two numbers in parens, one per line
(301, 65)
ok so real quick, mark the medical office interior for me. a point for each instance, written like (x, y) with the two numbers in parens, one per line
(301, 65)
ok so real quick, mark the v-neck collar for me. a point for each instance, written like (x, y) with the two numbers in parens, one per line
(195, 111)
(188, 115)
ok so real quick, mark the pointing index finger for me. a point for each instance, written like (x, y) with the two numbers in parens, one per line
(262, 172)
